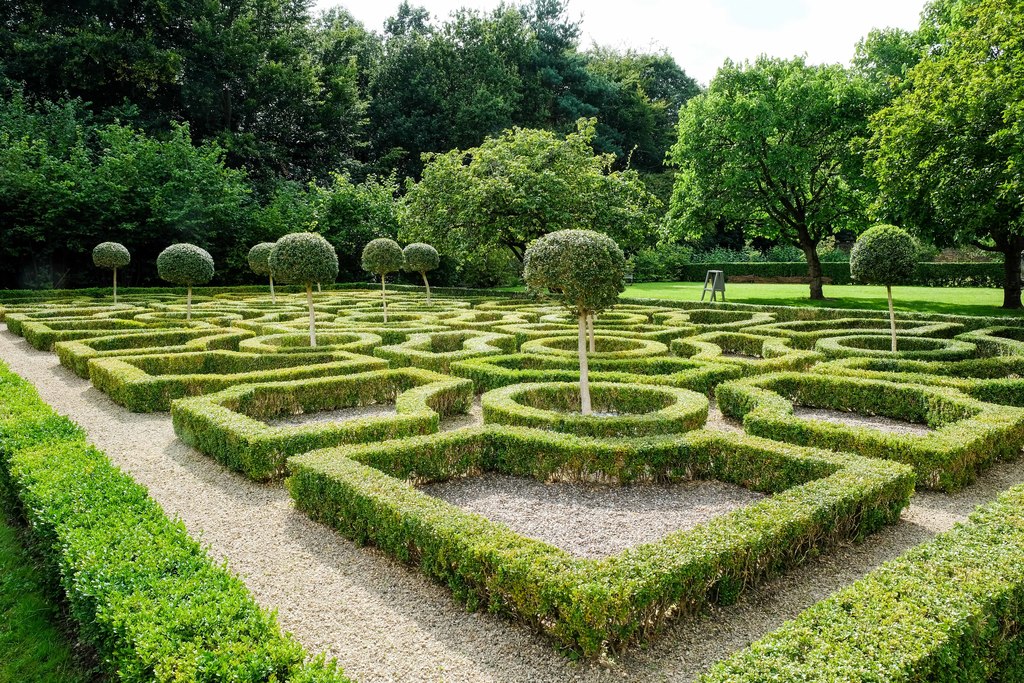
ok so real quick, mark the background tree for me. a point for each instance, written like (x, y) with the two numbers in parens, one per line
(518, 187)
(769, 144)
(948, 152)
(186, 265)
(380, 257)
(259, 262)
(421, 258)
(884, 255)
(585, 270)
(111, 255)
(304, 258)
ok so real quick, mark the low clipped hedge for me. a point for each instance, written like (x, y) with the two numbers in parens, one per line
(437, 350)
(804, 334)
(632, 409)
(598, 606)
(142, 593)
(948, 610)
(713, 319)
(298, 342)
(880, 346)
(525, 332)
(227, 425)
(997, 341)
(998, 379)
(500, 371)
(968, 435)
(145, 384)
(604, 347)
(43, 335)
(75, 355)
(753, 354)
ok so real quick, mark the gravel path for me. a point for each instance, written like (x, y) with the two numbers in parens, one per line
(593, 521)
(385, 622)
(879, 422)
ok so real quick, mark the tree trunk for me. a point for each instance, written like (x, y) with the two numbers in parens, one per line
(318, 290)
(584, 369)
(1011, 275)
(273, 297)
(312, 316)
(892, 317)
(115, 286)
(188, 304)
(590, 332)
(427, 285)
(384, 296)
(813, 268)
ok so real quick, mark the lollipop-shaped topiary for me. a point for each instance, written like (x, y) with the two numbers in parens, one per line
(259, 262)
(421, 258)
(585, 269)
(380, 257)
(186, 265)
(884, 255)
(305, 258)
(111, 255)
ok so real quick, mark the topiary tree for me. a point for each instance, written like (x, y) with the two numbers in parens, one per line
(380, 257)
(421, 258)
(586, 270)
(305, 258)
(111, 255)
(259, 262)
(884, 255)
(186, 265)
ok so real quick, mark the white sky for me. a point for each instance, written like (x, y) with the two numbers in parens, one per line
(701, 34)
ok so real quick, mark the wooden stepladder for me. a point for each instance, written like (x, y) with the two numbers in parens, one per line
(714, 282)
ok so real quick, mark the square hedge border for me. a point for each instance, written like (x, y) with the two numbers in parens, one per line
(597, 606)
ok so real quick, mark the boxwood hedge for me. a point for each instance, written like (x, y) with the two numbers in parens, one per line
(753, 354)
(437, 350)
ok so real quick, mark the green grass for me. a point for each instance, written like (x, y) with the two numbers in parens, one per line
(951, 300)
(33, 648)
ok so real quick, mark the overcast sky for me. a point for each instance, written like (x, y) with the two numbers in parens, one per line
(701, 34)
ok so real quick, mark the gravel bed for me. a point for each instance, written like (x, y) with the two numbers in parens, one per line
(474, 418)
(592, 521)
(339, 415)
(879, 422)
(721, 423)
(386, 623)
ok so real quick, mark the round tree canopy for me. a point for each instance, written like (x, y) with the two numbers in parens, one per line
(883, 255)
(584, 267)
(304, 258)
(382, 256)
(420, 257)
(259, 258)
(111, 255)
(185, 264)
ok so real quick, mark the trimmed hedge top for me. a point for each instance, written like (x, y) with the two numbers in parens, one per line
(111, 255)
(883, 255)
(420, 257)
(259, 258)
(185, 264)
(304, 258)
(382, 256)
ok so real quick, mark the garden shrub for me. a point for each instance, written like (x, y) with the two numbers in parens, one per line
(968, 435)
(947, 610)
(259, 263)
(884, 255)
(227, 425)
(597, 606)
(305, 258)
(437, 350)
(912, 348)
(111, 255)
(381, 257)
(421, 258)
(186, 265)
(754, 354)
(146, 384)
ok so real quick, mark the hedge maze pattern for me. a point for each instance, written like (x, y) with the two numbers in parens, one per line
(483, 384)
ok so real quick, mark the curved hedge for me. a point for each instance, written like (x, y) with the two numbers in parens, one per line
(298, 342)
(910, 348)
(437, 350)
(804, 334)
(754, 354)
(606, 347)
(620, 409)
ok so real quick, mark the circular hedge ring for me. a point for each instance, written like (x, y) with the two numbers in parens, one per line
(298, 342)
(910, 348)
(607, 347)
(608, 318)
(620, 410)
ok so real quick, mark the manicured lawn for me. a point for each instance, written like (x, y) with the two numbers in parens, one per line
(951, 300)
(32, 647)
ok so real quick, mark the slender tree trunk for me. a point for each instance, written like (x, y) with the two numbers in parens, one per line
(318, 290)
(427, 285)
(384, 296)
(892, 317)
(115, 286)
(1011, 275)
(590, 332)
(312, 316)
(584, 368)
(188, 304)
(273, 297)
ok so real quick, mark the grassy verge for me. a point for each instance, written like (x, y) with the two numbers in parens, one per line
(33, 645)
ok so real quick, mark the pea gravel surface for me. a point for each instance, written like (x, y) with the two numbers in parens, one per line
(387, 623)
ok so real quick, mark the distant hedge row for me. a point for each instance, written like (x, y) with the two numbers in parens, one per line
(928, 274)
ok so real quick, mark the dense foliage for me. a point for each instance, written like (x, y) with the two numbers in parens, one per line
(304, 258)
(259, 258)
(185, 264)
(883, 255)
(110, 255)
(382, 257)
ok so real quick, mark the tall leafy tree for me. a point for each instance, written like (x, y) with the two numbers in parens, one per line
(949, 151)
(521, 185)
(769, 145)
